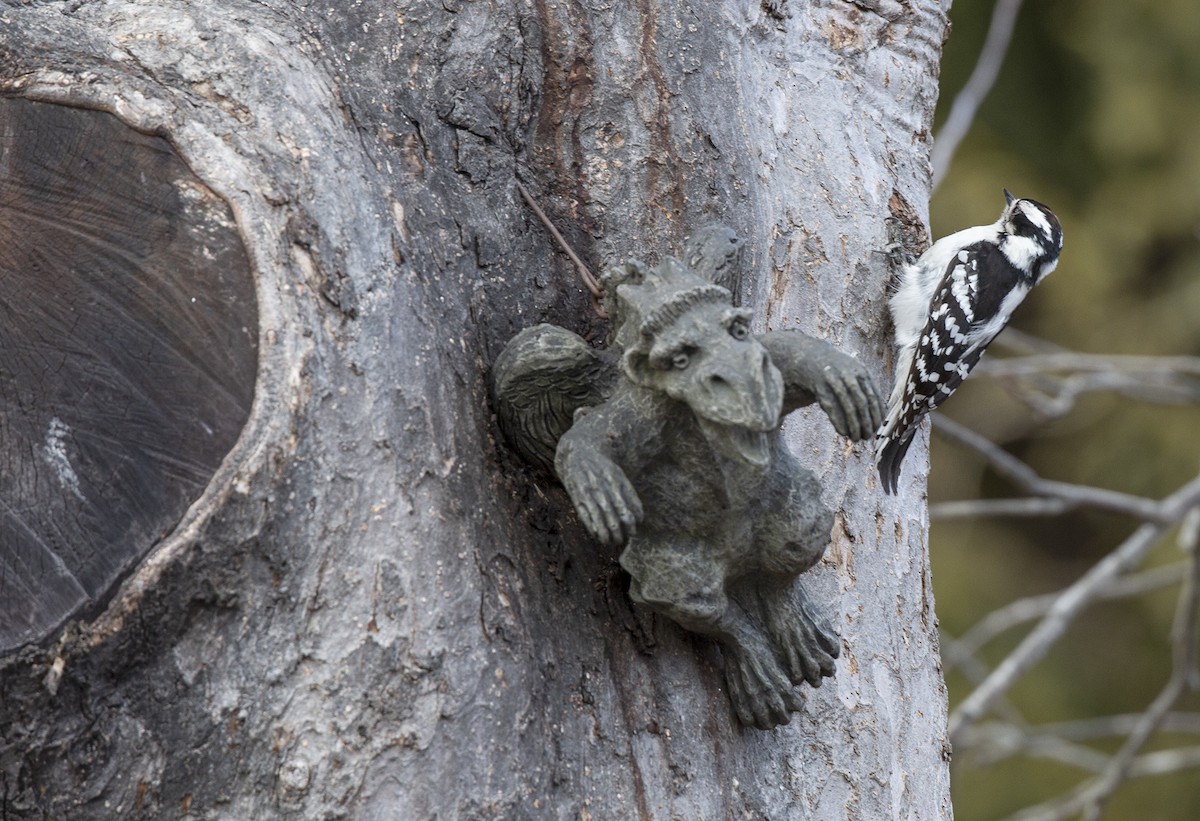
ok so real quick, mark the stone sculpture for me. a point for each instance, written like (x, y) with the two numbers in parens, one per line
(669, 442)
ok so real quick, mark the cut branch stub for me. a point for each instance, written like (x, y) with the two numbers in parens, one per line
(128, 354)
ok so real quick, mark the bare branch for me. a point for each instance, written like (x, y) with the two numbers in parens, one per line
(1004, 739)
(1070, 604)
(1024, 610)
(997, 741)
(1052, 383)
(1091, 796)
(974, 508)
(1146, 366)
(1024, 477)
(1165, 761)
(1183, 641)
(983, 77)
(1050, 379)
(1018, 341)
(977, 671)
(1089, 729)
(1070, 804)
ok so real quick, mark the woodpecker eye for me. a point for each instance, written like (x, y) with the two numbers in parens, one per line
(739, 331)
(680, 361)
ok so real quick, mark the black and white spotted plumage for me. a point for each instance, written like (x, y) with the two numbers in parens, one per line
(950, 304)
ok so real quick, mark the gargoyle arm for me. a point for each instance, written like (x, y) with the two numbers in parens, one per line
(594, 455)
(815, 371)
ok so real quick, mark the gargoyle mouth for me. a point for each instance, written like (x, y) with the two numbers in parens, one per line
(737, 442)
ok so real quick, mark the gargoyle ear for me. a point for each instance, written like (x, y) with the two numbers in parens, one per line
(636, 364)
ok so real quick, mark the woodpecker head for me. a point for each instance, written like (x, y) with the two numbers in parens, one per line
(1033, 238)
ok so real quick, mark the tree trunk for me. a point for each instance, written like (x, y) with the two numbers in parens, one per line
(375, 609)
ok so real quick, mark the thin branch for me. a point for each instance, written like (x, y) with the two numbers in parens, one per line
(976, 671)
(1165, 761)
(1183, 641)
(1052, 383)
(975, 508)
(1070, 604)
(1091, 796)
(1158, 366)
(1034, 607)
(1005, 739)
(1009, 741)
(983, 77)
(1014, 339)
(997, 741)
(1090, 729)
(1070, 804)
(1051, 380)
(1027, 479)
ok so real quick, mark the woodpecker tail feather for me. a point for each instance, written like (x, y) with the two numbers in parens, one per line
(889, 459)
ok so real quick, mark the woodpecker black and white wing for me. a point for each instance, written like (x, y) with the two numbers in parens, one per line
(971, 305)
(950, 304)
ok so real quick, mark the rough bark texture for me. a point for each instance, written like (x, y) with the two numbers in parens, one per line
(376, 610)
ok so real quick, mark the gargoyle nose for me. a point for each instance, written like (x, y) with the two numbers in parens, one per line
(720, 388)
(743, 393)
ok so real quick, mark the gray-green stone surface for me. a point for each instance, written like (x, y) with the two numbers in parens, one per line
(669, 443)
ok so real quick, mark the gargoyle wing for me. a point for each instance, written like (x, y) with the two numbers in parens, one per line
(541, 378)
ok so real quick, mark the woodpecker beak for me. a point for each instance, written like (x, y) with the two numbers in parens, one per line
(1009, 199)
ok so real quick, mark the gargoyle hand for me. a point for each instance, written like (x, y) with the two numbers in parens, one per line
(847, 394)
(605, 500)
(815, 371)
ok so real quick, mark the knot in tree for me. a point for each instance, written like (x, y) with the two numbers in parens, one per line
(669, 443)
(129, 326)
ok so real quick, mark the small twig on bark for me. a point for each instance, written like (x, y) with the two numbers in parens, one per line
(589, 281)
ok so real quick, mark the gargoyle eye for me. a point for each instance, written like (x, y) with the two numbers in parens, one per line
(680, 361)
(739, 331)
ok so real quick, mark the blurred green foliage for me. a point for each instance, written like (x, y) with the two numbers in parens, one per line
(1097, 114)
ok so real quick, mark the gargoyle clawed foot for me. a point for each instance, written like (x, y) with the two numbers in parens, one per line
(804, 643)
(759, 689)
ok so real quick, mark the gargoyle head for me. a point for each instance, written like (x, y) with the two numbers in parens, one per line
(681, 335)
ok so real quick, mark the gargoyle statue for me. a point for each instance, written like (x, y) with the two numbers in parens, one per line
(669, 442)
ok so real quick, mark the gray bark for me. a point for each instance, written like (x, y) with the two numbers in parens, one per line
(376, 610)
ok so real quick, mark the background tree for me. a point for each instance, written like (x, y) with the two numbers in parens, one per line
(374, 609)
(1067, 589)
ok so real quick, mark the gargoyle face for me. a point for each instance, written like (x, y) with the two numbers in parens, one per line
(708, 359)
